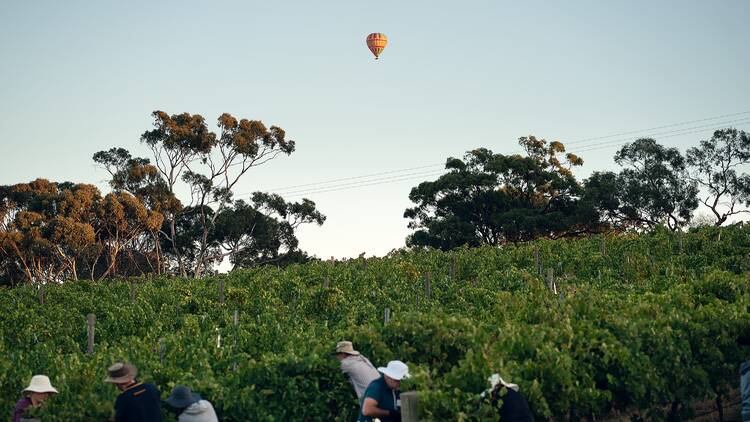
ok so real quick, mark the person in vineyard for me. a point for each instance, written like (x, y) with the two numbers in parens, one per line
(511, 405)
(137, 402)
(745, 390)
(190, 407)
(355, 366)
(33, 396)
(382, 399)
(744, 340)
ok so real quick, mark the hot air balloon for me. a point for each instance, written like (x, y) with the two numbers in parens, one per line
(376, 43)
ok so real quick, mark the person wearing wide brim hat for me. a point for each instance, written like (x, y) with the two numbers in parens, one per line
(355, 366)
(190, 407)
(137, 402)
(121, 373)
(34, 395)
(382, 399)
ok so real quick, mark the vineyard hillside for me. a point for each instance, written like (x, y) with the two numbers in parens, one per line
(635, 324)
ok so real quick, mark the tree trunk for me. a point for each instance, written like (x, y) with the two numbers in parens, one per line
(157, 249)
(173, 239)
(200, 266)
(112, 263)
(73, 268)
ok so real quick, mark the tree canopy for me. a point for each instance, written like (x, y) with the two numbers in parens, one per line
(489, 198)
(715, 166)
(54, 231)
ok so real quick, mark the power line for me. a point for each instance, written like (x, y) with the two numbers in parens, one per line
(318, 187)
(416, 176)
(353, 178)
(687, 122)
(365, 184)
(423, 173)
(666, 135)
(714, 126)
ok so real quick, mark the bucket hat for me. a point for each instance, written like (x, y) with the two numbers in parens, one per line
(40, 384)
(182, 397)
(396, 370)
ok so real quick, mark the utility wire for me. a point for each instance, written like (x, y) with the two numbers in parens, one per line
(423, 173)
(687, 122)
(403, 179)
(354, 178)
(417, 176)
(715, 125)
(661, 136)
(396, 175)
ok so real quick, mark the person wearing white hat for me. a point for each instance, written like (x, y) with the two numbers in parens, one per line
(511, 405)
(355, 366)
(34, 395)
(382, 399)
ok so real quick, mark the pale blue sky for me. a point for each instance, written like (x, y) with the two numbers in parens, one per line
(77, 77)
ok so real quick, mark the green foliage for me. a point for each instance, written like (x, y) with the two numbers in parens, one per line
(714, 166)
(492, 199)
(654, 187)
(631, 330)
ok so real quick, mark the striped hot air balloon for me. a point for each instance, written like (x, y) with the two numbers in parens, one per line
(376, 43)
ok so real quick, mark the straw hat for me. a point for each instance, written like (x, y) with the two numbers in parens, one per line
(396, 370)
(182, 397)
(120, 373)
(40, 384)
(345, 347)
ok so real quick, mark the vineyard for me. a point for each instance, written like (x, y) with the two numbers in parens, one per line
(639, 325)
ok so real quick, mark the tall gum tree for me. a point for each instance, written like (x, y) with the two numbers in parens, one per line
(715, 166)
(492, 199)
(654, 187)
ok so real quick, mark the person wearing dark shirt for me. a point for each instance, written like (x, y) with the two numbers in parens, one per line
(512, 406)
(382, 399)
(138, 402)
(744, 340)
(33, 396)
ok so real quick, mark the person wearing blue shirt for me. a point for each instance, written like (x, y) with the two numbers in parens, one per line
(382, 399)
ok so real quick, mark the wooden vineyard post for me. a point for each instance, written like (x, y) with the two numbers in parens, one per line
(162, 348)
(387, 316)
(681, 242)
(90, 322)
(602, 246)
(537, 261)
(221, 291)
(326, 282)
(236, 324)
(41, 294)
(409, 406)
(427, 293)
